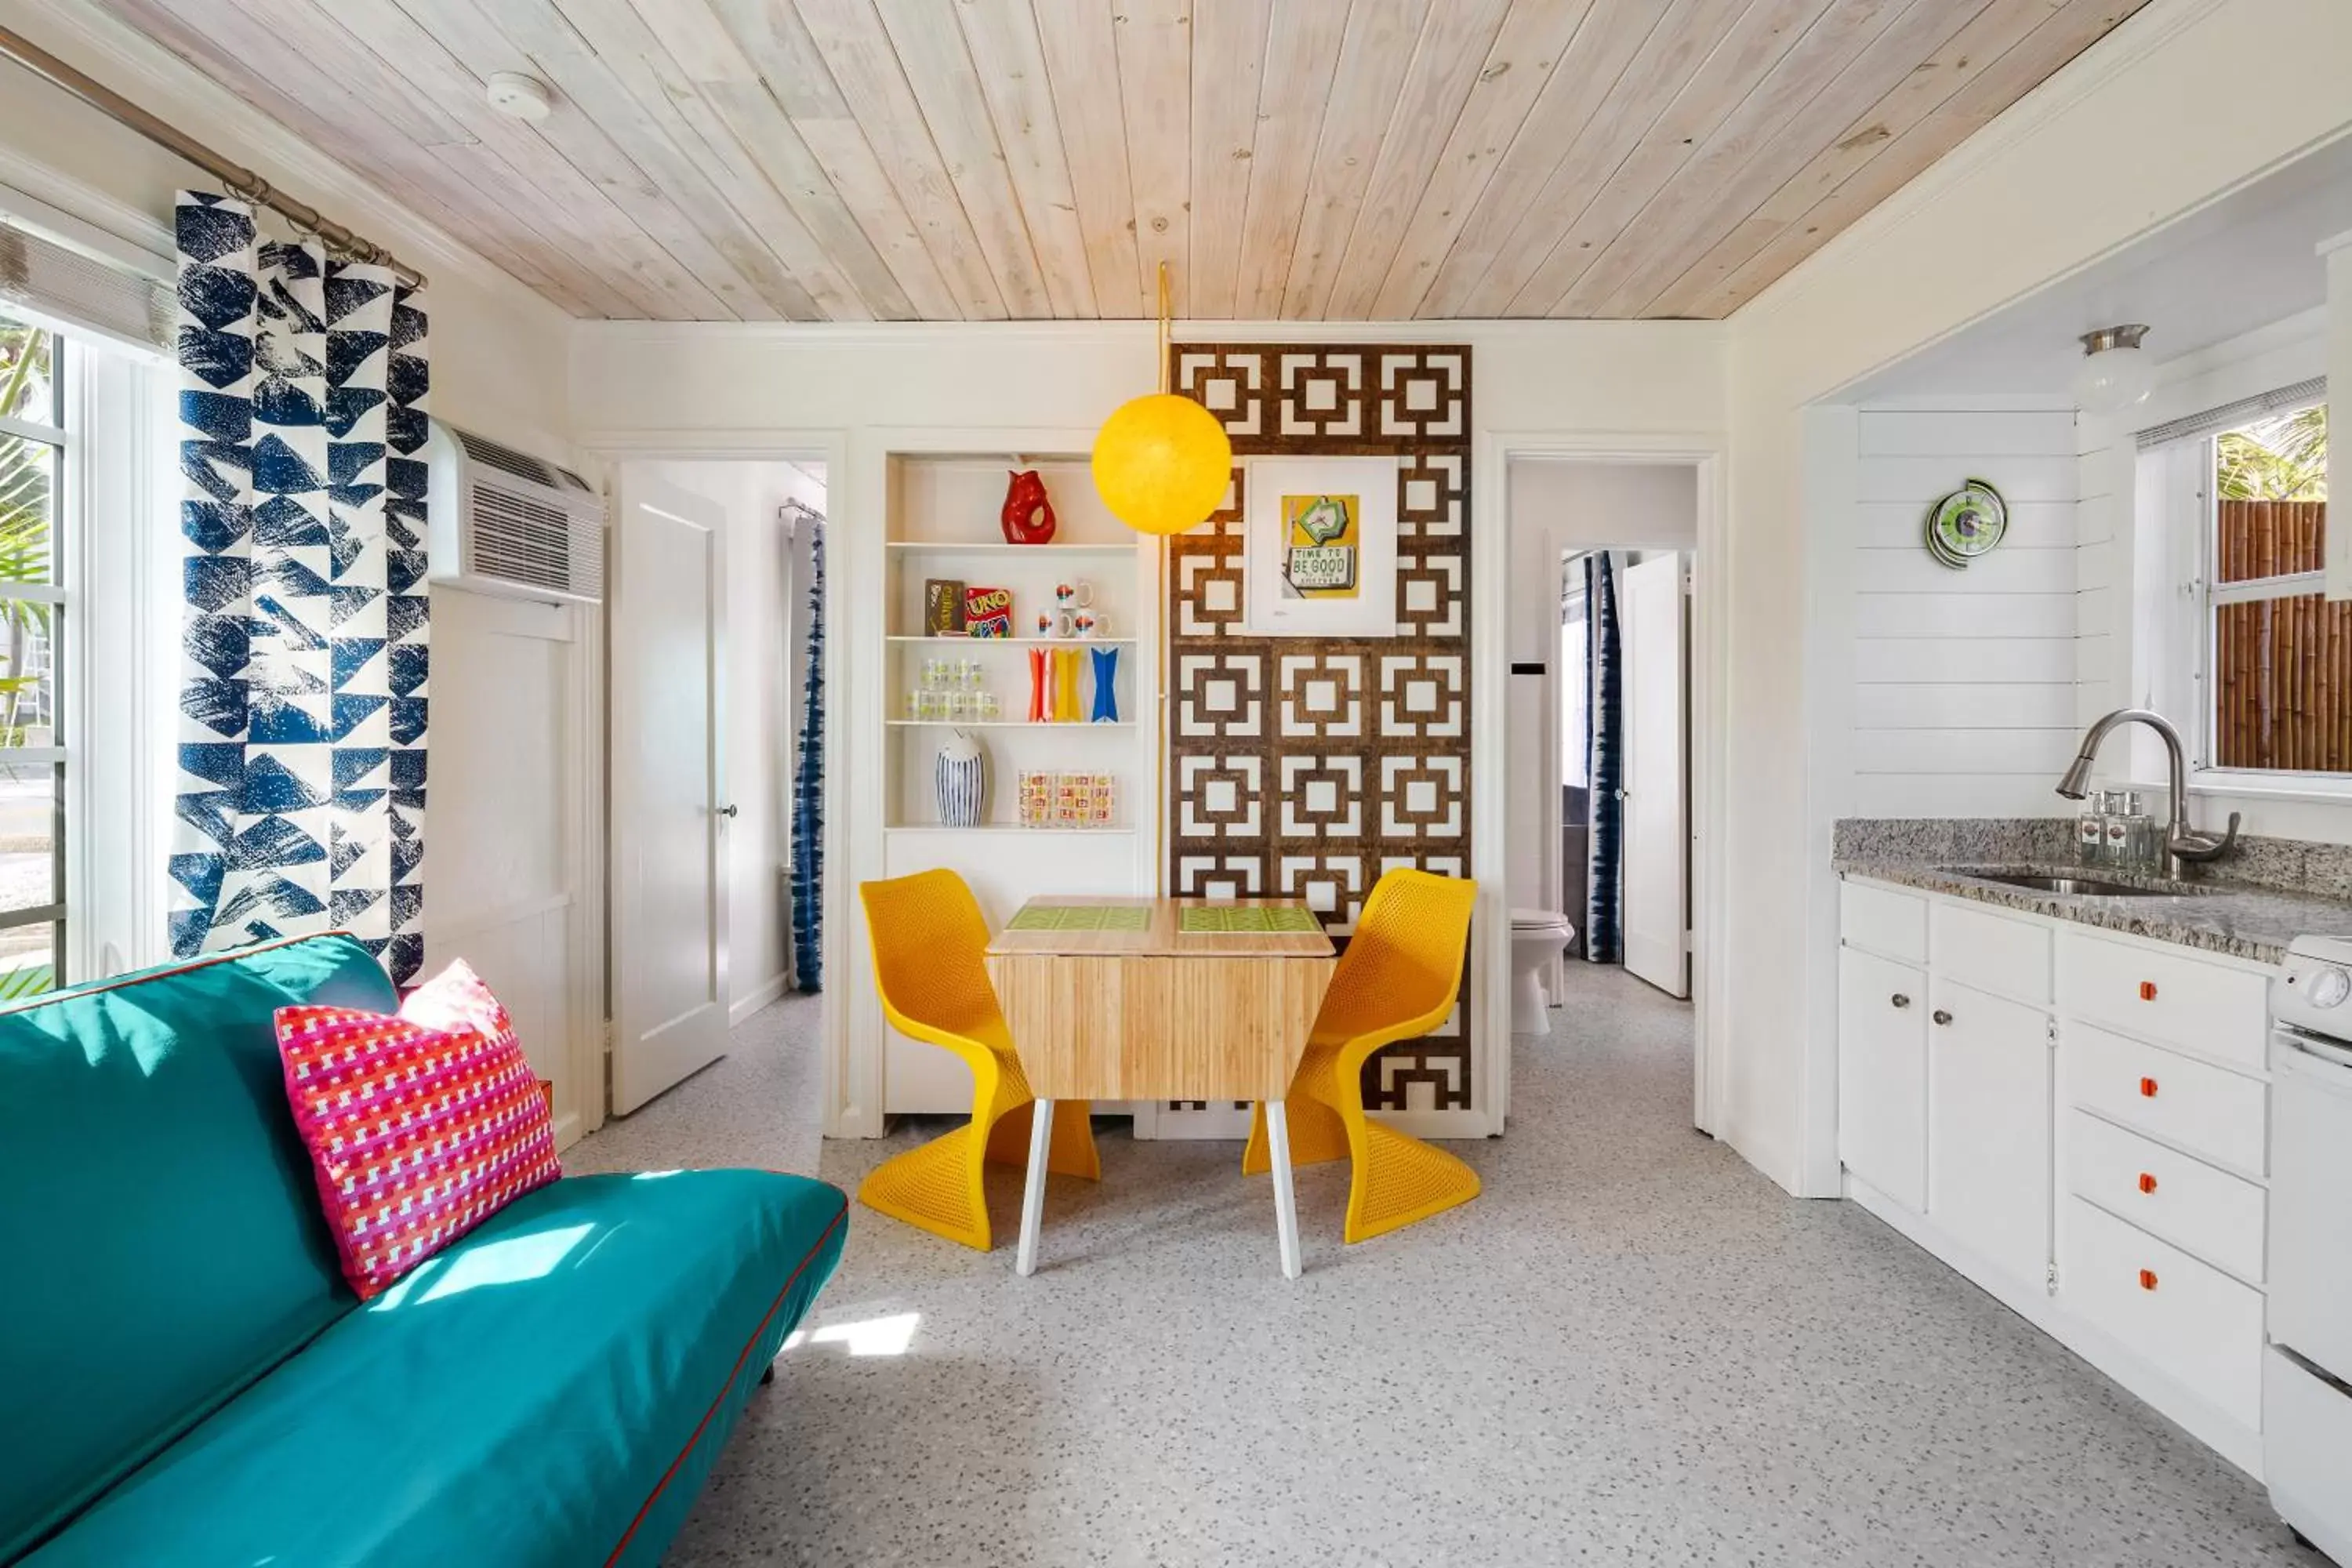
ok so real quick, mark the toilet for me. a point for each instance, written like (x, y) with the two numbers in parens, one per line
(1537, 938)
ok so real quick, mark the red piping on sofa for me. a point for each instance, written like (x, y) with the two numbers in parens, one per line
(737, 1370)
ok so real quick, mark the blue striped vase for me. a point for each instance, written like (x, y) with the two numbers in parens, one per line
(961, 777)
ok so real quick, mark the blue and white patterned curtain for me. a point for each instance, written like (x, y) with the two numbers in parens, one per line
(301, 795)
(808, 791)
(1604, 713)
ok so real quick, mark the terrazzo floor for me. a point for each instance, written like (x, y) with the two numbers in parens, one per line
(1633, 1349)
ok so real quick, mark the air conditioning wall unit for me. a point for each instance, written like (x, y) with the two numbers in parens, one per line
(502, 521)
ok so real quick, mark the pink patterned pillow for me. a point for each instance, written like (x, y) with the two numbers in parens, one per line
(420, 1126)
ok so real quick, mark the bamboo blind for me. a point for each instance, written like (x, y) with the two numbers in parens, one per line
(2281, 668)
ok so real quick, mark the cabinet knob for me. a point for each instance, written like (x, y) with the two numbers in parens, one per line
(2148, 1088)
(2147, 990)
(2148, 1278)
(1900, 1000)
(1941, 1017)
(2147, 1183)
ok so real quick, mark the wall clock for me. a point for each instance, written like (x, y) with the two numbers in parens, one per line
(1966, 523)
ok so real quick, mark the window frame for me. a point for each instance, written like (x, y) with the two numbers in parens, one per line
(2210, 595)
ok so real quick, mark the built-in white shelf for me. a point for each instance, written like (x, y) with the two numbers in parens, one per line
(941, 526)
(1019, 642)
(998, 547)
(1063, 727)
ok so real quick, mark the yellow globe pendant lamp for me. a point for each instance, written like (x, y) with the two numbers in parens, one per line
(1162, 463)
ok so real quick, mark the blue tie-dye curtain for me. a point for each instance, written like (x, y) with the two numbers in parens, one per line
(301, 795)
(808, 791)
(1604, 712)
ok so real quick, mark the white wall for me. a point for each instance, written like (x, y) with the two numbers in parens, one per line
(1557, 505)
(766, 562)
(2097, 156)
(860, 391)
(510, 878)
(1962, 696)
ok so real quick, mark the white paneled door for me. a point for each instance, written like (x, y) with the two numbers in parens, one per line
(667, 609)
(1657, 817)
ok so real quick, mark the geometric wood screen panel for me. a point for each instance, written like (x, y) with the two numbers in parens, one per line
(1306, 766)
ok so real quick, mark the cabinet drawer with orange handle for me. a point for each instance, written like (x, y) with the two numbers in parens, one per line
(2198, 1326)
(2170, 998)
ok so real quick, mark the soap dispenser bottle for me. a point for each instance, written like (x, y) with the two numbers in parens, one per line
(2148, 841)
(2091, 829)
(2124, 821)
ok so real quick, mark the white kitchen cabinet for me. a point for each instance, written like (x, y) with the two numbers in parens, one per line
(1882, 1075)
(1989, 1118)
(2078, 1120)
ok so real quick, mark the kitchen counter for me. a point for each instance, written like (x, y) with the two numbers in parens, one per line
(2239, 920)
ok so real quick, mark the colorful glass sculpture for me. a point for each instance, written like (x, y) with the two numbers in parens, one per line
(1106, 710)
(1065, 686)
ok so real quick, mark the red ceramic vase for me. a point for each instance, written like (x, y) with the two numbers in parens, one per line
(1028, 516)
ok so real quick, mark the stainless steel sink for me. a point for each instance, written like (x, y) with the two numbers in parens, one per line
(2070, 886)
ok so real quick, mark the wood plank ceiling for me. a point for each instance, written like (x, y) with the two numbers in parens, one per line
(943, 160)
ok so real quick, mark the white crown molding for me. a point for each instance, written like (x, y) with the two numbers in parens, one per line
(1122, 333)
(2113, 55)
(158, 80)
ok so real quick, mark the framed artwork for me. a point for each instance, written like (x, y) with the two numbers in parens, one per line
(1320, 546)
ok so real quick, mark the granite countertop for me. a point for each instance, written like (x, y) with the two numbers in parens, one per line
(2268, 892)
(2219, 917)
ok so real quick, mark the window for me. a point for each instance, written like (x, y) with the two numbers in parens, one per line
(2278, 656)
(36, 600)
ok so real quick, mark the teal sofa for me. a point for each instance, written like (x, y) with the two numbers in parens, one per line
(185, 1379)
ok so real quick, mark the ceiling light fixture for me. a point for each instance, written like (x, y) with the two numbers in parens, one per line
(2114, 374)
(520, 97)
(1161, 462)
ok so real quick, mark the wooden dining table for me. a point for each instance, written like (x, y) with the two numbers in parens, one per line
(1155, 998)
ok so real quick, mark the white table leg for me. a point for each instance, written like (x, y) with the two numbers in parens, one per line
(1285, 1202)
(1032, 1194)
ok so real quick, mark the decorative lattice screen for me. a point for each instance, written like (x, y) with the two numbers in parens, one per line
(1304, 766)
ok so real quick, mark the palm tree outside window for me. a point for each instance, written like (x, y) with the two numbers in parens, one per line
(34, 599)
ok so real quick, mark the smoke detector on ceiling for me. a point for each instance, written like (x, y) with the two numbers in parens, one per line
(520, 96)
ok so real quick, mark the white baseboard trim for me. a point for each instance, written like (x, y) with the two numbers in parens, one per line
(1438, 1125)
(2242, 1445)
(567, 1129)
(771, 992)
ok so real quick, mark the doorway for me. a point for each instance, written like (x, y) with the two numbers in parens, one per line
(715, 671)
(1623, 724)
(1604, 556)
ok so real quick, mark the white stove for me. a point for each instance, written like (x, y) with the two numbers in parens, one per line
(2307, 1367)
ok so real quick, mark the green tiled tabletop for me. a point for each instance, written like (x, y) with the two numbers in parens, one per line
(1083, 916)
(1195, 919)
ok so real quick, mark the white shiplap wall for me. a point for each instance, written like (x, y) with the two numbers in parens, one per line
(1964, 699)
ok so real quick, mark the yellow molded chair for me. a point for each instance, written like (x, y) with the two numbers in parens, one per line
(930, 963)
(1397, 980)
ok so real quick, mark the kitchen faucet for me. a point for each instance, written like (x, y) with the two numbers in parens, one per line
(2182, 844)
